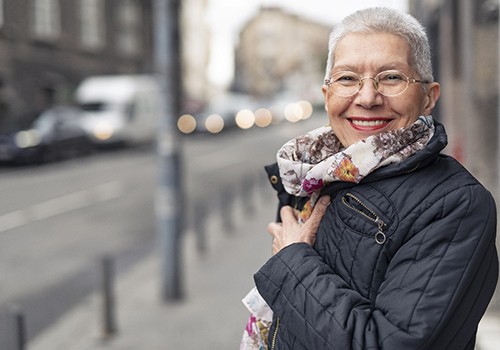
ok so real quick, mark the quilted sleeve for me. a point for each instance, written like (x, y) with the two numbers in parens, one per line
(436, 288)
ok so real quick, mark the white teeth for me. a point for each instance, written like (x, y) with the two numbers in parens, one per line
(369, 122)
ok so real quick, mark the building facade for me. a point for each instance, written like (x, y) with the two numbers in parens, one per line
(281, 52)
(464, 36)
(48, 46)
(195, 51)
(465, 39)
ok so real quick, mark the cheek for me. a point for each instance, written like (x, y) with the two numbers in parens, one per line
(414, 113)
(336, 107)
(408, 111)
(412, 108)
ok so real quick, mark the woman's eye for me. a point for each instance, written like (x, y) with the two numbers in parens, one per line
(346, 79)
(391, 77)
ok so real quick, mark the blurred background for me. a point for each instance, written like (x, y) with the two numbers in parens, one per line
(136, 131)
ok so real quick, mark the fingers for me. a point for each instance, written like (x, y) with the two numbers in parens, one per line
(273, 226)
(275, 247)
(275, 229)
(318, 212)
(291, 231)
(320, 207)
(288, 213)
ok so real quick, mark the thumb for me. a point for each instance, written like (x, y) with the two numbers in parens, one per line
(319, 210)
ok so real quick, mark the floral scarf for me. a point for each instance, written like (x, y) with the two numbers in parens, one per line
(317, 158)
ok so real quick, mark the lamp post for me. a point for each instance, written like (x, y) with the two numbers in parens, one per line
(168, 201)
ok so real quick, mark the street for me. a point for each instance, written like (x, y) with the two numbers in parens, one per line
(58, 221)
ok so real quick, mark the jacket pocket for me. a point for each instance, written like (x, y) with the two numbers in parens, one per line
(360, 207)
(368, 212)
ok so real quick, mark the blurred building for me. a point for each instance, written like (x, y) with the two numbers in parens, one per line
(464, 36)
(465, 39)
(195, 49)
(48, 46)
(281, 52)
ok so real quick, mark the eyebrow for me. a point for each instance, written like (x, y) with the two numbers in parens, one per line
(387, 66)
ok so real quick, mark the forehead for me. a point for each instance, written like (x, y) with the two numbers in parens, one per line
(372, 50)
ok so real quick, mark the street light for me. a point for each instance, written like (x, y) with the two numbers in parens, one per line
(168, 201)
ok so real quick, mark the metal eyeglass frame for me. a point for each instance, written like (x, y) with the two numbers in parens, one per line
(375, 79)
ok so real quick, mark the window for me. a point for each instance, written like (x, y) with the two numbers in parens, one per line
(92, 23)
(129, 22)
(46, 19)
(2, 18)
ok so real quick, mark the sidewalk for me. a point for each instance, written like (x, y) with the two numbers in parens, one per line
(488, 337)
(211, 316)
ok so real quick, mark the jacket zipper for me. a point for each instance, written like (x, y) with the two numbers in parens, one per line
(273, 342)
(380, 236)
(413, 169)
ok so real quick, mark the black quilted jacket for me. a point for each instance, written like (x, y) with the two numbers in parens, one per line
(404, 260)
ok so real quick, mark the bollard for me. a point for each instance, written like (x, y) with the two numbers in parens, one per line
(20, 328)
(199, 227)
(227, 204)
(248, 195)
(108, 301)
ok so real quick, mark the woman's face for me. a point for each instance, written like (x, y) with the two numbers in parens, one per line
(368, 112)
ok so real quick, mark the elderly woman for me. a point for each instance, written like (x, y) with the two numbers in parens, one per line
(383, 242)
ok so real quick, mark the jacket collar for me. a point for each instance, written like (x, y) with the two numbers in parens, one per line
(419, 160)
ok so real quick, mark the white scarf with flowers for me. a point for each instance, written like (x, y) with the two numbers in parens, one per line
(311, 161)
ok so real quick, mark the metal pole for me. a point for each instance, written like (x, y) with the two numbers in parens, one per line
(108, 300)
(20, 327)
(168, 201)
(468, 70)
(496, 302)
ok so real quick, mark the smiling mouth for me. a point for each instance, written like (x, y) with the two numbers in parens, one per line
(369, 124)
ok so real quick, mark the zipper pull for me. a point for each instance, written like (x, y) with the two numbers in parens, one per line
(380, 236)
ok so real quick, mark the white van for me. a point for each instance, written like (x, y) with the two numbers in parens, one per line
(120, 109)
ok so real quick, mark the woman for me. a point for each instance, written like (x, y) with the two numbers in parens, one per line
(384, 243)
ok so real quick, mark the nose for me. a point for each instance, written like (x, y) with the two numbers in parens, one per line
(368, 95)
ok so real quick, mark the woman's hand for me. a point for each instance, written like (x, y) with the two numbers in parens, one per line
(291, 231)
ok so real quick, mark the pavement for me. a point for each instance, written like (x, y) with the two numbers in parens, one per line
(210, 315)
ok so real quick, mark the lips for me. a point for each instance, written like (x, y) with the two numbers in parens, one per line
(369, 124)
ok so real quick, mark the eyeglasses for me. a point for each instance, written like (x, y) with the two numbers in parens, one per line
(387, 83)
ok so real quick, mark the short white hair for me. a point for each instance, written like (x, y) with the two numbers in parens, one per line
(386, 20)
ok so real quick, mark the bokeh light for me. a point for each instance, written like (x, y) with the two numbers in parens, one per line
(307, 109)
(214, 123)
(263, 117)
(186, 123)
(293, 112)
(245, 119)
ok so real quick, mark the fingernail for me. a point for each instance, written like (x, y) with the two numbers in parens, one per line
(325, 199)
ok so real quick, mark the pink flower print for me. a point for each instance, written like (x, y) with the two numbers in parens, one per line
(311, 185)
(251, 321)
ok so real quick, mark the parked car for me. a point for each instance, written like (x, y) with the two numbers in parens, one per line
(54, 134)
(120, 109)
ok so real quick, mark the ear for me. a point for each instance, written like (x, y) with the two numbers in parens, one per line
(324, 89)
(431, 96)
